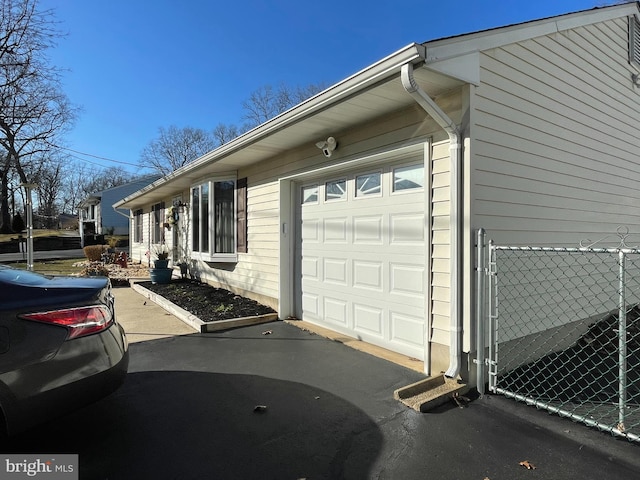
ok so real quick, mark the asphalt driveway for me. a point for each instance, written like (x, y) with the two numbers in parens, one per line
(187, 411)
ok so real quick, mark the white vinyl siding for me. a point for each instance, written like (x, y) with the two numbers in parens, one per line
(555, 148)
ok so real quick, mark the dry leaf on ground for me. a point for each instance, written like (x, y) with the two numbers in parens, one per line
(528, 465)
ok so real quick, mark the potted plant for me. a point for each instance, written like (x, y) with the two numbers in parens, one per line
(161, 273)
(162, 257)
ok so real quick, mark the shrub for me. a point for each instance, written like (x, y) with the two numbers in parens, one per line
(93, 252)
(94, 270)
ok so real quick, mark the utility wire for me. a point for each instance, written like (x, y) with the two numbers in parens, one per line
(93, 156)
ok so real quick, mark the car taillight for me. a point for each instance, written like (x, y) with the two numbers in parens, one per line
(80, 321)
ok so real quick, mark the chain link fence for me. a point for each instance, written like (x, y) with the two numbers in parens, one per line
(562, 330)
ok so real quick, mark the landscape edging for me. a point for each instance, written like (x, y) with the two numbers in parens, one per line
(195, 322)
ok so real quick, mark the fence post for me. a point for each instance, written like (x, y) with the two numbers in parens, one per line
(622, 343)
(493, 311)
(480, 316)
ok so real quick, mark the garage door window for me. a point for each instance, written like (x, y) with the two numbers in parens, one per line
(336, 190)
(408, 178)
(310, 194)
(369, 185)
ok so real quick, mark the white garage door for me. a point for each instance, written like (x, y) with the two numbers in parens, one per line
(363, 255)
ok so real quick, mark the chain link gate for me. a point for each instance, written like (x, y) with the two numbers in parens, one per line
(562, 330)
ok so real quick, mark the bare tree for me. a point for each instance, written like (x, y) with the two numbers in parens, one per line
(224, 133)
(175, 147)
(33, 109)
(50, 178)
(74, 188)
(99, 180)
(267, 102)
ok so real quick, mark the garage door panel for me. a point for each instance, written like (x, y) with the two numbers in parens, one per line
(310, 270)
(368, 319)
(368, 275)
(335, 311)
(311, 304)
(406, 229)
(335, 231)
(310, 230)
(368, 230)
(407, 329)
(335, 271)
(408, 280)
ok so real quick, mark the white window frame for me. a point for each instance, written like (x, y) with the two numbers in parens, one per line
(138, 225)
(392, 174)
(207, 254)
(310, 186)
(379, 194)
(344, 198)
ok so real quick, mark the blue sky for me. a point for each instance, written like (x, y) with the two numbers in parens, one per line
(136, 65)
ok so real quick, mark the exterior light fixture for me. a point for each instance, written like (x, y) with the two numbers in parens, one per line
(327, 146)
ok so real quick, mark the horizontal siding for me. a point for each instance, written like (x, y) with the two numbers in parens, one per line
(555, 144)
(258, 269)
(440, 243)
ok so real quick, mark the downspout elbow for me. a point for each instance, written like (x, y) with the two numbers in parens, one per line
(426, 102)
(125, 215)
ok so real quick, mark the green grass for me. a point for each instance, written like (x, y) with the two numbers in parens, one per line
(53, 267)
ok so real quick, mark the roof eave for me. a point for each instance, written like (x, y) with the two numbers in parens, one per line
(464, 44)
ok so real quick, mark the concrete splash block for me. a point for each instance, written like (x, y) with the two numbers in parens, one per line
(427, 394)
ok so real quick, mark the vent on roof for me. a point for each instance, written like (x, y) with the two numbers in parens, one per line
(634, 41)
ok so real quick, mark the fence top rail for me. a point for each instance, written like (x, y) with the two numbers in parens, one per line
(566, 249)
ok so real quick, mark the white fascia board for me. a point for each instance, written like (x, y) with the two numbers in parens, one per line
(444, 49)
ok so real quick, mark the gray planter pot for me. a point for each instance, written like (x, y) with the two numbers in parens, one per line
(160, 275)
(161, 263)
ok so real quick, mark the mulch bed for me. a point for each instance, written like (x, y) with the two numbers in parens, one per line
(208, 303)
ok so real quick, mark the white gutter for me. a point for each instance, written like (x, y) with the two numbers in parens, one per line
(455, 151)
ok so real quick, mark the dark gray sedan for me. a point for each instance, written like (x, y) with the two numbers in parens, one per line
(60, 346)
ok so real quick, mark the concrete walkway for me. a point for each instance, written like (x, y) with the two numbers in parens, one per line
(144, 320)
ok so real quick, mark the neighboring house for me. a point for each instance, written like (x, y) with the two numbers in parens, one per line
(530, 131)
(97, 216)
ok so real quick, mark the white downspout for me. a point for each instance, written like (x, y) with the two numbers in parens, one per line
(455, 151)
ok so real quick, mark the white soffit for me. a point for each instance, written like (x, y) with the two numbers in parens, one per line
(465, 67)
